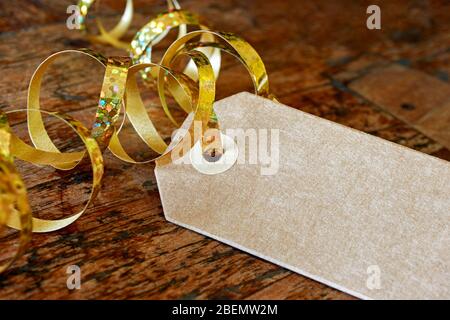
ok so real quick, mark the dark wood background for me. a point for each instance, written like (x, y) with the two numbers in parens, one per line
(321, 58)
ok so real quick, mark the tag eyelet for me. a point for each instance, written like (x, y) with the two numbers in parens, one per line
(225, 162)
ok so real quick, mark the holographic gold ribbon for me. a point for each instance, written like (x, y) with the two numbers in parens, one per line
(232, 44)
(23, 151)
(111, 98)
(193, 100)
(110, 37)
(118, 78)
(113, 37)
(13, 194)
(46, 153)
(154, 31)
(136, 113)
(193, 89)
(140, 48)
(15, 211)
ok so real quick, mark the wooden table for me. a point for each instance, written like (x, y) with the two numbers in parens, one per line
(321, 58)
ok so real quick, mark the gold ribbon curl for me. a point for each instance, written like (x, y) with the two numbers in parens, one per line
(140, 48)
(195, 95)
(13, 194)
(15, 211)
(154, 31)
(120, 79)
(23, 151)
(113, 36)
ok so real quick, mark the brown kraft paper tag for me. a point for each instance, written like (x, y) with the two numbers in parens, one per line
(353, 211)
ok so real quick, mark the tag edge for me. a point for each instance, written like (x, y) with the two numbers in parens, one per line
(254, 253)
(339, 125)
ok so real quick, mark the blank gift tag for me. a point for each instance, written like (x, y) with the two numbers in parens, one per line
(353, 211)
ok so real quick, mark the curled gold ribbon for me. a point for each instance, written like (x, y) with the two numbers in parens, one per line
(192, 100)
(120, 81)
(140, 48)
(23, 151)
(113, 36)
(119, 77)
(136, 113)
(111, 96)
(45, 152)
(13, 195)
(193, 90)
(154, 31)
(232, 44)
(15, 211)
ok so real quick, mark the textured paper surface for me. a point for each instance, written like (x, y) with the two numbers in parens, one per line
(341, 203)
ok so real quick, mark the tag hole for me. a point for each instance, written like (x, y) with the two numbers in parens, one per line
(216, 159)
(213, 155)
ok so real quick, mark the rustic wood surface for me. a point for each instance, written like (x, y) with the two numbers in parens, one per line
(321, 58)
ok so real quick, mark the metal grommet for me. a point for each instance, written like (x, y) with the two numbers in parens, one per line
(226, 161)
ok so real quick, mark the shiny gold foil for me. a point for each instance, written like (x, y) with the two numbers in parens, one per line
(15, 211)
(112, 37)
(13, 194)
(154, 31)
(193, 89)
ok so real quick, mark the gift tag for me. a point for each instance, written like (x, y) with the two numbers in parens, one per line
(353, 211)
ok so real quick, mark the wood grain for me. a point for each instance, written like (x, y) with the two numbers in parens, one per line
(313, 51)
